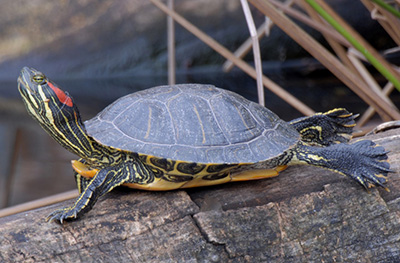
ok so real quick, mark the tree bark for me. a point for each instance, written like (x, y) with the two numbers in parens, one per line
(304, 215)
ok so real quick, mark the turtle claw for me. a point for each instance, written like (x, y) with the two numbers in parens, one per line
(373, 168)
(369, 181)
(60, 215)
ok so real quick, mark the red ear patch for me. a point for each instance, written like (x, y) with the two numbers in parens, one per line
(64, 98)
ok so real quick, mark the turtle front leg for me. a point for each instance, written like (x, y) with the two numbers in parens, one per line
(81, 182)
(83, 174)
(103, 182)
(324, 129)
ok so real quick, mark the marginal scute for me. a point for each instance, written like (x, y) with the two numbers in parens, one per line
(216, 168)
(190, 168)
(165, 164)
(213, 177)
(158, 173)
(177, 178)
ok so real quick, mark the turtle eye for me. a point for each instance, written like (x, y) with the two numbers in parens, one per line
(39, 79)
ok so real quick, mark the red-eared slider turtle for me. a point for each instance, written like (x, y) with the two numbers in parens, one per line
(190, 135)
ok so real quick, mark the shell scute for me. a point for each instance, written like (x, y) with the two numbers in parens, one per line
(193, 123)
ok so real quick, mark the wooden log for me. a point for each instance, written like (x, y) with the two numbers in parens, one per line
(304, 215)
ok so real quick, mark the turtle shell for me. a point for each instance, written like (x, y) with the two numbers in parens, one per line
(193, 123)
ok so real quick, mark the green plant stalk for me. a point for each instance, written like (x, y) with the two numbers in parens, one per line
(381, 68)
(387, 7)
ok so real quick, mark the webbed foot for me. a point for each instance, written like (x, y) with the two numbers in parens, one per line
(371, 168)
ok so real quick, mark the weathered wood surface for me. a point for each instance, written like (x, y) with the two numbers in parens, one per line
(304, 215)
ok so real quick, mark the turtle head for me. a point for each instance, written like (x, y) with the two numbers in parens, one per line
(54, 109)
(44, 100)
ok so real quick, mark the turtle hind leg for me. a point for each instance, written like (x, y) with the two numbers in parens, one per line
(362, 160)
(324, 129)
